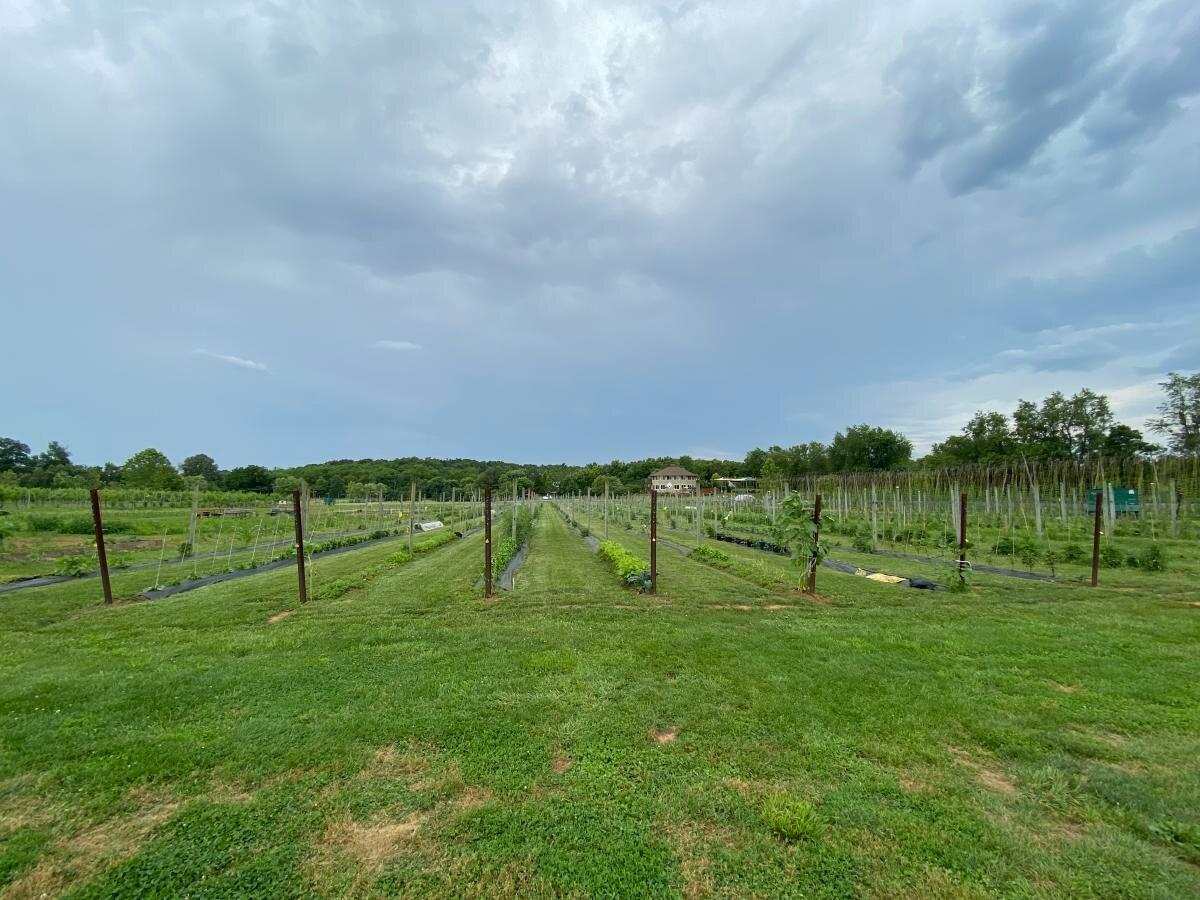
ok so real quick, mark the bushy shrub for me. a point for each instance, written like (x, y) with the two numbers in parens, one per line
(74, 566)
(506, 549)
(1028, 552)
(1073, 553)
(1111, 556)
(861, 541)
(631, 569)
(48, 522)
(1150, 559)
(712, 556)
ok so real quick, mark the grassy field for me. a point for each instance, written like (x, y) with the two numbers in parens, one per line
(576, 738)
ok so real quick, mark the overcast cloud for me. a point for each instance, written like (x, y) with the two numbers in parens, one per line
(592, 230)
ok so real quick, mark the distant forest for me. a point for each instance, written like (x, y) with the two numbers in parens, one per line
(1079, 427)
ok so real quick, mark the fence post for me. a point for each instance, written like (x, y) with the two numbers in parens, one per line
(962, 537)
(191, 538)
(101, 551)
(653, 541)
(298, 511)
(812, 562)
(606, 507)
(412, 497)
(1096, 529)
(487, 542)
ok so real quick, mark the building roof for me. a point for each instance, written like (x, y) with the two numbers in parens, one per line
(677, 471)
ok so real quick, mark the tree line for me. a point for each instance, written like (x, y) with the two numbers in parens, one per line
(1078, 427)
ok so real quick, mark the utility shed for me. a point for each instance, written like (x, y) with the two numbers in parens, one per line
(1124, 500)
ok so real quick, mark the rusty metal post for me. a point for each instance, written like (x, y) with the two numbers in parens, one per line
(1097, 530)
(962, 537)
(812, 562)
(101, 551)
(653, 541)
(298, 511)
(487, 542)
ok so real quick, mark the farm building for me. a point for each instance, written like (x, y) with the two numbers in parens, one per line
(673, 479)
(741, 485)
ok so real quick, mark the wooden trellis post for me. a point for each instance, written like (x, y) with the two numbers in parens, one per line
(101, 551)
(487, 542)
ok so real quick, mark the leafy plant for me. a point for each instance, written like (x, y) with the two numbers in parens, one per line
(1152, 559)
(712, 556)
(1111, 556)
(74, 566)
(633, 570)
(799, 529)
(1074, 553)
(861, 540)
(791, 818)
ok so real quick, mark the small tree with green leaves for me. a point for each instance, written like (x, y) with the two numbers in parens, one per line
(798, 527)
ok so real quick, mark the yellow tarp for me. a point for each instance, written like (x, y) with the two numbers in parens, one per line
(880, 576)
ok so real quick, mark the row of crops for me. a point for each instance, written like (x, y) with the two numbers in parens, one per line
(177, 543)
(1022, 523)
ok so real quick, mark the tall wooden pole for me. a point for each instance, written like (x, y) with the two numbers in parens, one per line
(653, 541)
(812, 562)
(101, 552)
(487, 542)
(962, 537)
(1096, 531)
(606, 508)
(412, 498)
(297, 508)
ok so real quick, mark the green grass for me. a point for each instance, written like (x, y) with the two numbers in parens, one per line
(575, 737)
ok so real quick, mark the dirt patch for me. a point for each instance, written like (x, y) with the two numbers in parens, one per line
(408, 765)
(990, 777)
(562, 763)
(77, 857)
(913, 785)
(279, 616)
(664, 735)
(136, 544)
(372, 845)
(472, 797)
(227, 792)
(1063, 688)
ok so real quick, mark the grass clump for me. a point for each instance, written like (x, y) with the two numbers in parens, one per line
(792, 818)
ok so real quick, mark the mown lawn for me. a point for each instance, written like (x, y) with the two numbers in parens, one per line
(574, 738)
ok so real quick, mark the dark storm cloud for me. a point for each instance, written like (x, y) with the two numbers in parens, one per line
(995, 102)
(585, 208)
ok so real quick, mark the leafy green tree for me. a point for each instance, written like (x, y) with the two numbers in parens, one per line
(754, 462)
(1179, 417)
(866, 447)
(249, 478)
(1063, 427)
(203, 465)
(1123, 441)
(150, 468)
(987, 438)
(54, 456)
(285, 484)
(14, 455)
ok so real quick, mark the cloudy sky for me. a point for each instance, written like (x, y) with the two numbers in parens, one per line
(284, 232)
